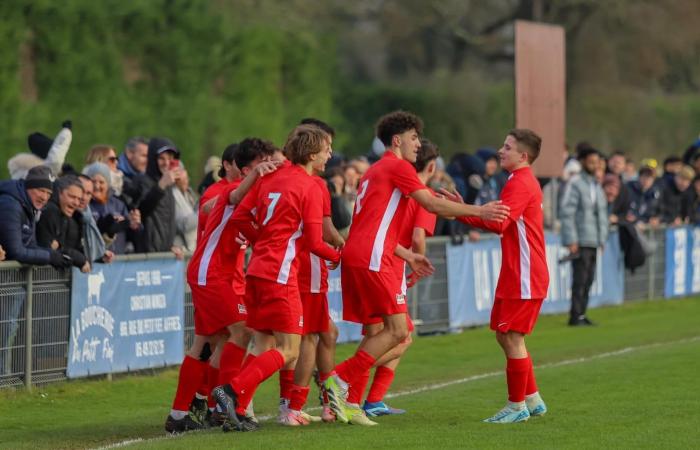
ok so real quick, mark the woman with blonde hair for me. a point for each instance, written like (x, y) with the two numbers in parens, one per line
(107, 154)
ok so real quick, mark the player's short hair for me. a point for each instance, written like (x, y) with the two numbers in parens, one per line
(319, 123)
(427, 152)
(530, 140)
(397, 122)
(251, 148)
(229, 156)
(304, 141)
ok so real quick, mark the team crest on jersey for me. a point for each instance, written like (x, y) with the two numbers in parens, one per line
(400, 299)
(242, 310)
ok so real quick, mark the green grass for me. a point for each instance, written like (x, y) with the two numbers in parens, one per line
(644, 397)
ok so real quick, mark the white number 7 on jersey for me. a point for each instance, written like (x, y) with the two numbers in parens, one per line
(275, 197)
(360, 196)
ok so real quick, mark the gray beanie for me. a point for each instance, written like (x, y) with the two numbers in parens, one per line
(39, 177)
(98, 168)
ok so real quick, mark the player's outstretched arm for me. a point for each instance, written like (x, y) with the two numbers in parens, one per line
(495, 211)
(420, 264)
(262, 169)
(331, 234)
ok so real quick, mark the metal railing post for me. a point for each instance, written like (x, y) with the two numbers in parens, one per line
(652, 264)
(29, 306)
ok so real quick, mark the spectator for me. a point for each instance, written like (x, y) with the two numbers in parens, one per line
(692, 206)
(185, 212)
(616, 165)
(60, 226)
(212, 174)
(21, 202)
(155, 200)
(2, 253)
(44, 151)
(95, 248)
(133, 161)
(617, 211)
(109, 212)
(552, 193)
(630, 173)
(645, 197)
(672, 165)
(493, 180)
(342, 201)
(584, 229)
(107, 154)
(673, 200)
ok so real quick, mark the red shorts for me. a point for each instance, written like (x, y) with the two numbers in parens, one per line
(216, 306)
(368, 296)
(316, 315)
(514, 314)
(273, 306)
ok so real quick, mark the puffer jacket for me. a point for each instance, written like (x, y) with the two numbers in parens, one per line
(67, 231)
(584, 212)
(18, 225)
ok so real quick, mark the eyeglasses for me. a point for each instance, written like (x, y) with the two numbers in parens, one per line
(112, 159)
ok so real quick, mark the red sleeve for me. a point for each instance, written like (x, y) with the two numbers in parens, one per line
(313, 241)
(243, 216)
(326, 194)
(516, 196)
(425, 220)
(405, 178)
(312, 205)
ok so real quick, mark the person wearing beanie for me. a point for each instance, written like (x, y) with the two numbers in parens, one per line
(21, 202)
(153, 198)
(44, 150)
(111, 214)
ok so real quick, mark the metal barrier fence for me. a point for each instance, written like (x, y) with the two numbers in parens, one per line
(35, 309)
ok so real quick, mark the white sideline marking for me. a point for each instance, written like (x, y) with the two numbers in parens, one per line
(432, 387)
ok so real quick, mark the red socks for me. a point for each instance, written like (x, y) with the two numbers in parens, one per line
(531, 387)
(255, 373)
(231, 361)
(355, 366)
(244, 399)
(517, 372)
(383, 377)
(297, 398)
(192, 372)
(213, 381)
(357, 388)
(286, 383)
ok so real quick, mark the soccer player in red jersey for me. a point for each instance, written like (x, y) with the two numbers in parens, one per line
(228, 173)
(282, 213)
(418, 223)
(370, 287)
(320, 334)
(524, 278)
(218, 308)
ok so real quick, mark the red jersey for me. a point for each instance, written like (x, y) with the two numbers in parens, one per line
(379, 211)
(281, 204)
(218, 256)
(524, 273)
(415, 217)
(313, 273)
(212, 191)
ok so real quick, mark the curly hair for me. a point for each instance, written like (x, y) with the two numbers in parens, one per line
(304, 141)
(249, 149)
(397, 122)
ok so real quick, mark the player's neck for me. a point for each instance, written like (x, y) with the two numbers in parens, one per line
(396, 151)
(308, 167)
(519, 166)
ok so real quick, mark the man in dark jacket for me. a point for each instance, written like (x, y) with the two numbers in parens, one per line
(60, 226)
(155, 200)
(674, 197)
(21, 202)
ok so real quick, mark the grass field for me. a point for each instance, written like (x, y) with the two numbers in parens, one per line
(630, 382)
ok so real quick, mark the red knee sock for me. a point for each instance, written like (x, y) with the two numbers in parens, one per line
(298, 397)
(286, 383)
(192, 371)
(213, 379)
(244, 399)
(531, 387)
(517, 371)
(231, 361)
(202, 388)
(255, 373)
(357, 388)
(355, 366)
(383, 377)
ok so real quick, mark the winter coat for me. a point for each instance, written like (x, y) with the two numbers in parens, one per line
(674, 203)
(644, 205)
(67, 231)
(584, 212)
(18, 225)
(157, 206)
(114, 233)
(186, 215)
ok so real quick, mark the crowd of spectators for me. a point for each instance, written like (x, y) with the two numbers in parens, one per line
(141, 200)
